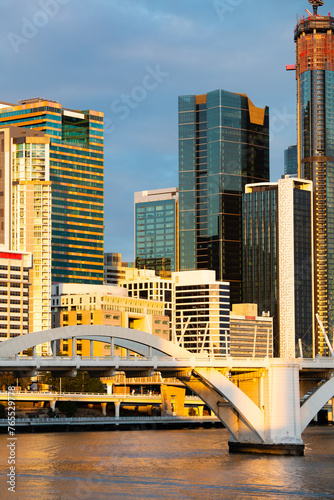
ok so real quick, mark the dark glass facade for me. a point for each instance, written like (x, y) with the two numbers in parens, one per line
(291, 161)
(262, 243)
(314, 39)
(260, 253)
(303, 269)
(223, 145)
(77, 175)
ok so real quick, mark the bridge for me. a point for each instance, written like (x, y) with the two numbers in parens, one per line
(264, 403)
(145, 401)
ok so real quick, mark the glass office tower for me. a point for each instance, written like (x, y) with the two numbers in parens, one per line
(291, 161)
(223, 145)
(156, 230)
(77, 183)
(278, 257)
(315, 113)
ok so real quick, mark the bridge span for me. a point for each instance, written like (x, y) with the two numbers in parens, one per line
(264, 413)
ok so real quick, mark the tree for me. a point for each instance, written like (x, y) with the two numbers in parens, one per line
(67, 407)
(6, 379)
(81, 383)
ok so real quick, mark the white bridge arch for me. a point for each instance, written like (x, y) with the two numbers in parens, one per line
(137, 341)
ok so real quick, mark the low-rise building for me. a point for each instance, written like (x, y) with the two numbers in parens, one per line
(251, 336)
(201, 307)
(74, 304)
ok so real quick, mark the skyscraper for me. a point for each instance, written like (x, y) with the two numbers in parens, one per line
(278, 271)
(223, 145)
(156, 229)
(291, 161)
(315, 114)
(76, 175)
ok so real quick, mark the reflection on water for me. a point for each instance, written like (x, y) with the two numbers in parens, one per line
(164, 464)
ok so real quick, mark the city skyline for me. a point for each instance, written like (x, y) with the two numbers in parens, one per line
(150, 53)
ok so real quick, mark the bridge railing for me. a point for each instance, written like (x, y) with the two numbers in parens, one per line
(89, 394)
(4, 421)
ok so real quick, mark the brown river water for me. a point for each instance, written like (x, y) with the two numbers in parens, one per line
(162, 464)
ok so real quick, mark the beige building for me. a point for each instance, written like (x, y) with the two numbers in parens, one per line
(74, 304)
(251, 336)
(25, 212)
(14, 293)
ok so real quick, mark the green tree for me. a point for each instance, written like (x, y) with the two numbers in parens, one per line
(67, 407)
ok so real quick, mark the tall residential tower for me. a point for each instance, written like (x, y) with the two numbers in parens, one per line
(76, 174)
(314, 37)
(223, 145)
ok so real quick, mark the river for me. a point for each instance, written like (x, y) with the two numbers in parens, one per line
(163, 464)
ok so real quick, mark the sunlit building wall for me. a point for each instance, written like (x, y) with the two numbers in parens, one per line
(26, 212)
(14, 293)
(251, 335)
(201, 310)
(76, 304)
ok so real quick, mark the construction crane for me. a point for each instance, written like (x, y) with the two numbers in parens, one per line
(315, 4)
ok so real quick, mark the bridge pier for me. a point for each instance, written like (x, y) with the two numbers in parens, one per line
(117, 408)
(104, 409)
(281, 409)
(266, 418)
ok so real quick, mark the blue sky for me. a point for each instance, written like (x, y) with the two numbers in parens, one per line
(132, 58)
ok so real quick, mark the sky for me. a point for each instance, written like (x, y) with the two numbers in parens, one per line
(131, 59)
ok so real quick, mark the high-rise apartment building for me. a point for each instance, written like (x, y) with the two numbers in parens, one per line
(291, 161)
(76, 175)
(278, 259)
(314, 38)
(25, 212)
(156, 230)
(223, 145)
